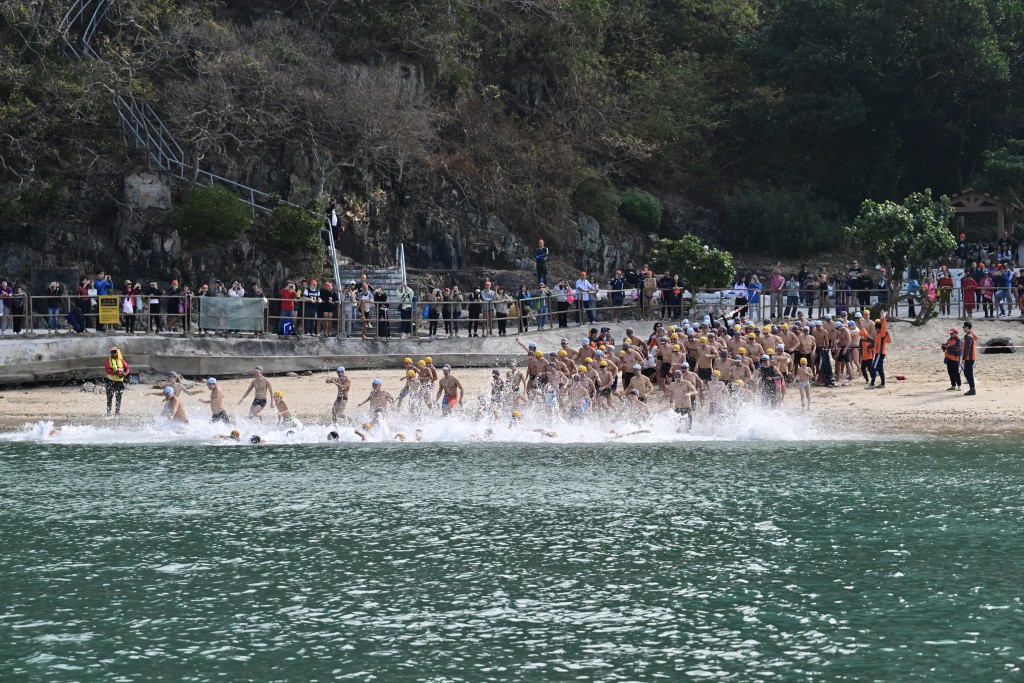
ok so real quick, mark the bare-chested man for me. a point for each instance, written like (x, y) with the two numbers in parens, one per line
(843, 341)
(681, 395)
(216, 402)
(452, 389)
(805, 345)
(634, 409)
(577, 398)
(640, 383)
(284, 413)
(173, 407)
(262, 392)
(343, 383)
(378, 399)
(605, 384)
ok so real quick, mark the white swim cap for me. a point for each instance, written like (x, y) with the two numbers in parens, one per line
(376, 382)
(341, 368)
(212, 380)
(637, 367)
(168, 391)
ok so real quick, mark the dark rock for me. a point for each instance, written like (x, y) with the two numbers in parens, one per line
(998, 345)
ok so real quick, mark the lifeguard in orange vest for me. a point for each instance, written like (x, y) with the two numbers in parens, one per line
(953, 348)
(969, 354)
(880, 346)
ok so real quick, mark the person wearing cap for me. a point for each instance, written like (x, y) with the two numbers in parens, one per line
(216, 402)
(803, 376)
(343, 383)
(174, 382)
(284, 413)
(451, 388)
(880, 345)
(953, 351)
(173, 408)
(944, 283)
(843, 343)
(116, 370)
(235, 435)
(378, 399)
(640, 382)
(260, 386)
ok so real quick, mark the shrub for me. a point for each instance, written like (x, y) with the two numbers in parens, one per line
(596, 197)
(211, 213)
(294, 227)
(642, 209)
(782, 222)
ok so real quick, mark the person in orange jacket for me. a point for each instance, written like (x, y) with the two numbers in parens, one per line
(953, 348)
(881, 345)
(969, 354)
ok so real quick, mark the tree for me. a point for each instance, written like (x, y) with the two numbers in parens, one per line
(901, 235)
(1003, 173)
(699, 264)
(211, 213)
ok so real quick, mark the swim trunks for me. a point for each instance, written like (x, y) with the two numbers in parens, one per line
(261, 402)
(804, 384)
(222, 416)
(705, 374)
(448, 403)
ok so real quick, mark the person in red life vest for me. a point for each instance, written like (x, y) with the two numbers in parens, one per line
(953, 348)
(117, 370)
(969, 354)
(880, 346)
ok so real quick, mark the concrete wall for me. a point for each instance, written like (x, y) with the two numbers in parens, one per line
(80, 357)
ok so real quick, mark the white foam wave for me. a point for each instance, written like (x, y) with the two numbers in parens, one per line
(475, 422)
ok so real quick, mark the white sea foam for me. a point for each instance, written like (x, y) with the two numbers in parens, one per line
(475, 422)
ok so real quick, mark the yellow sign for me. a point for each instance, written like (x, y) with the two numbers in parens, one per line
(110, 310)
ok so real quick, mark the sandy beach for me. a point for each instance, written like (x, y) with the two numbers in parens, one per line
(919, 404)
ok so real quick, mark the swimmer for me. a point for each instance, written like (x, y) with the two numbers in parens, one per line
(261, 386)
(804, 375)
(452, 389)
(284, 413)
(173, 408)
(333, 436)
(617, 435)
(343, 383)
(235, 435)
(257, 440)
(216, 402)
(517, 421)
(378, 399)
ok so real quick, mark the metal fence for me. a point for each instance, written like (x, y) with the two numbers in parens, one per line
(196, 315)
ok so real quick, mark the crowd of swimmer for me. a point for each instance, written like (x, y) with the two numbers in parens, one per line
(702, 368)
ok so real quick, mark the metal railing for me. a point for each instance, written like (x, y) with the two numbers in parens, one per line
(425, 318)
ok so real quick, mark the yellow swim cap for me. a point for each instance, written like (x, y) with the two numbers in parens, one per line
(429, 359)
(539, 354)
(621, 354)
(675, 335)
(235, 433)
(768, 328)
(743, 351)
(516, 414)
(589, 360)
(750, 336)
(278, 394)
(703, 340)
(785, 326)
(717, 373)
(739, 382)
(803, 361)
(769, 352)
(671, 328)
(562, 354)
(582, 368)
(410, 373)
(407, 361)
(736, 327)
(675, 347)
(602, 347)
(603, 363)
(422, 363)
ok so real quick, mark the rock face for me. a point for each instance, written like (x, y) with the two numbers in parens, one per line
(147, 191)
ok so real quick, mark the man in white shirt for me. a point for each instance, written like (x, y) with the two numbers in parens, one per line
(405, 297)
(585, 290)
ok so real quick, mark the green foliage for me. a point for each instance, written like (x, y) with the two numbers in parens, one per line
(642, 209)
(211, 213)
(294, 227)
(781, 222)
(1003, 173)
(36, 202)
(701, 265)
(596, 197)
(911, 233)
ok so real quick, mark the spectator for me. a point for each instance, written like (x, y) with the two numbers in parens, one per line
(173, 301)
(631, 275)
(502, 301)
(204, 291)
(288, 296)
(52, 300)
(617, 290)
(541, 256)
(524, 307)
(562, 294)
(84, 300)
(380, 299)
(475, 311)
(128, 307)
(325, 311)
(405, 301)
(310, 306)
(349, 304)
(650, 288)
(236, 291)
(543, 307)
(776, 283)
(792, 297)
(365, 306)
(433, 312)
(6, 307)
(665, 287)
(487, 297)
(455, 300)
(18, 304)
(219, 290)
(155, 296)
(584, 289)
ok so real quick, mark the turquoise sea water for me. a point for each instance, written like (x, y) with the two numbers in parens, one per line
(758, 561)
